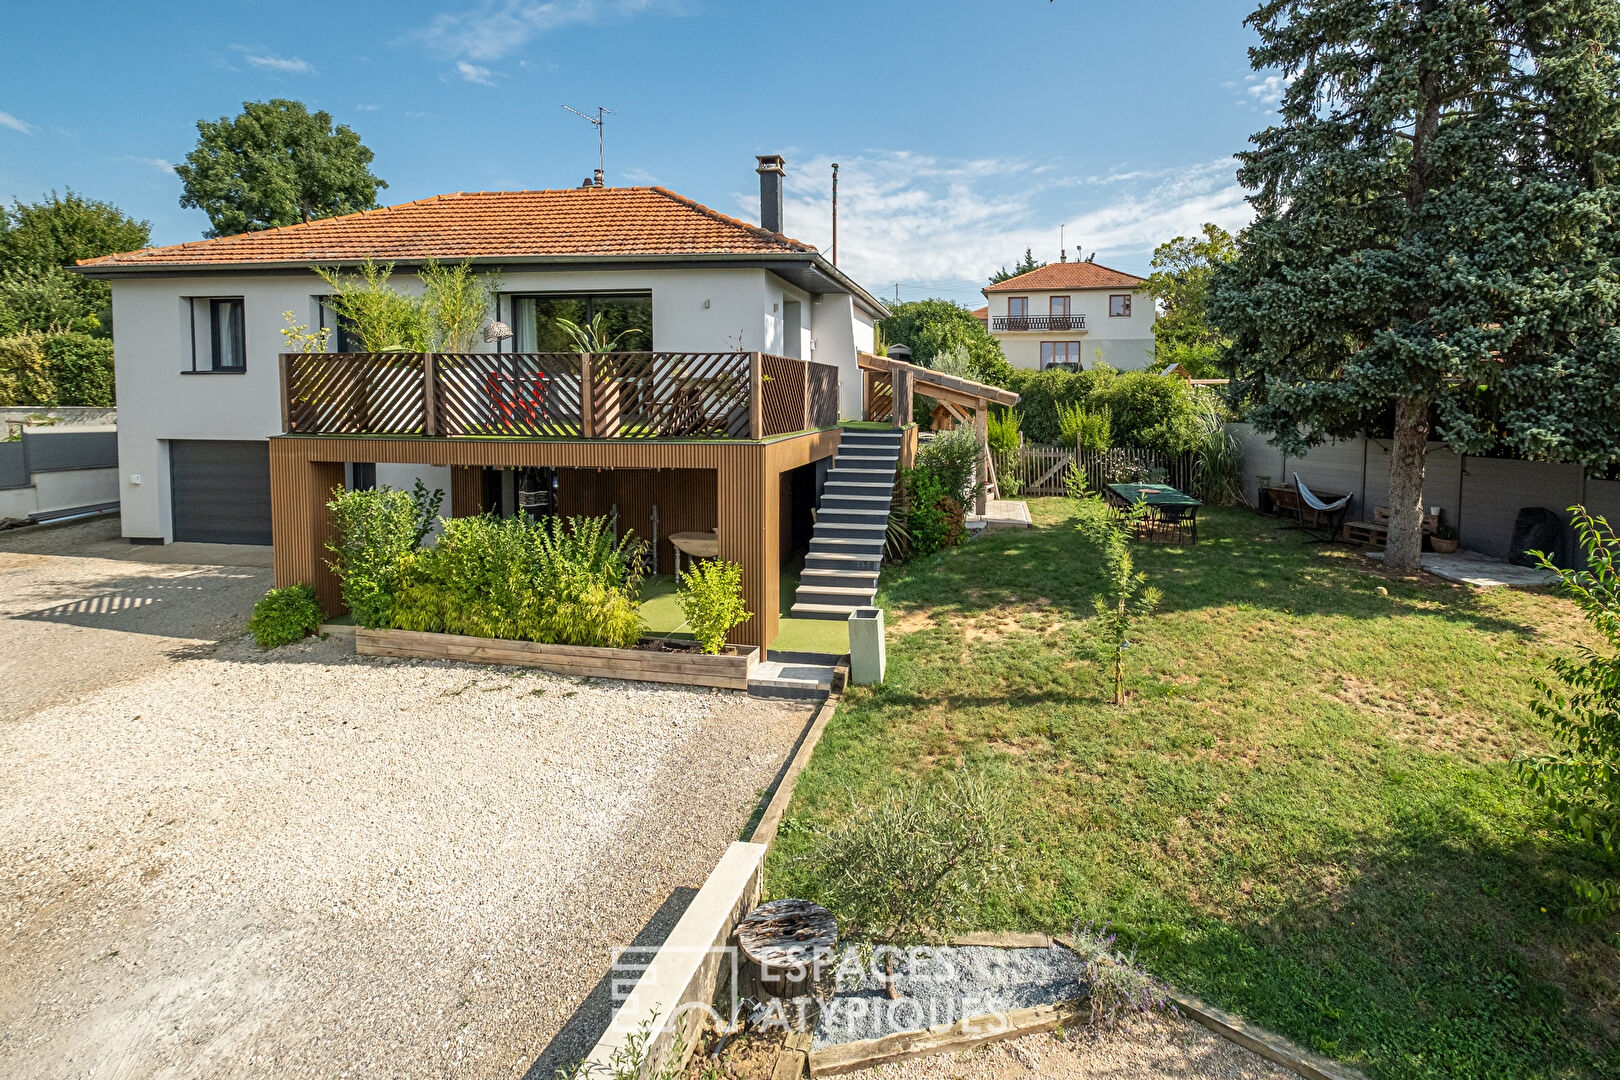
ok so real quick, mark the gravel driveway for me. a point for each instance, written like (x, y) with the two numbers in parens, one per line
(219, 862)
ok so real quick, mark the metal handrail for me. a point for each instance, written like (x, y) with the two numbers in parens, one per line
(1038, 322)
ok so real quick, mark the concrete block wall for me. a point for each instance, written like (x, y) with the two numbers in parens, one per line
(1478, 496)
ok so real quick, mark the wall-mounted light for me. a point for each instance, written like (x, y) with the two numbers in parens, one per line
(705, 305)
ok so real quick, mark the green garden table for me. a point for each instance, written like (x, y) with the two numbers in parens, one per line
(1168, 509)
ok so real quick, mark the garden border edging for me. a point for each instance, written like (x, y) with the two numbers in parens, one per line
(729, 670)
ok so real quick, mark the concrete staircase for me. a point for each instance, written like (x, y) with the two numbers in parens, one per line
(846, 548)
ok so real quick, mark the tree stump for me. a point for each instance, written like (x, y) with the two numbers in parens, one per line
(787, 953)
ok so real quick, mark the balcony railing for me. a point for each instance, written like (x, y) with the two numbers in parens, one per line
(619, 395)
(1045, 323)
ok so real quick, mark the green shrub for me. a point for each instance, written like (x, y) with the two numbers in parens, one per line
(25, 377)
(711, 600)
(378, 315)
(1002, 430)
(934, 519)
(1156, 412)
(1042, 393)
(374, 531)
(952, 457)
(910, 867)
(560, 582)
(283, 616)
(1580, 780)
(1088, 429)
(81, 369)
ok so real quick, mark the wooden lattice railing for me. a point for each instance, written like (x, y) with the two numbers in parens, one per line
(879, 396)
(619, 395)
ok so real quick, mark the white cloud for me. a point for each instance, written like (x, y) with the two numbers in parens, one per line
(494, 29)
(287, 65)
(9, 121)
(367, 108)
(160, 164)
(1264, 92)
(475, 73)
(941, 226)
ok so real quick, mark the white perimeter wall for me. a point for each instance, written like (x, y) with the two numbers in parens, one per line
(1125, 343)
(68, 489)
(159, 399)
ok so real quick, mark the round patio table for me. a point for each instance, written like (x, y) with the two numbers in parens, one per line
(695, 545)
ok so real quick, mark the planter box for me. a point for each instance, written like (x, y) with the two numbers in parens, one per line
(729, 670)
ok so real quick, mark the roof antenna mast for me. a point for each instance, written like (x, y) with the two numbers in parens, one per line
(597, 120)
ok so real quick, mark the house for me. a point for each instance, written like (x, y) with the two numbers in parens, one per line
(1072, 314)
(724, 418)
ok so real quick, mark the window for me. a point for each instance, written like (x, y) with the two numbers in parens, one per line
(342, 338)
(1060, 354)
(218, 334)
(535, 327)
(1017, 307)
(1059, 306)
(1119, 306)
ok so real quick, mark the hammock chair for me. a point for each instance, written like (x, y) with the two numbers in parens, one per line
(1326, 517)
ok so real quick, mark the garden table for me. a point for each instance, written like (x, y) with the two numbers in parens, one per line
(694, 545)
(1167, 507)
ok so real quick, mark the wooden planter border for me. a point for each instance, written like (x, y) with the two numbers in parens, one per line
(729, 670)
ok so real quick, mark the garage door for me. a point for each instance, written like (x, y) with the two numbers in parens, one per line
(221, 491)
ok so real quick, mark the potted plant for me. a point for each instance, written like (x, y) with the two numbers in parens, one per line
(1444, 540)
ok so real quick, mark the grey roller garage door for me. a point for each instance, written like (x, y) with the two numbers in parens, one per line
(221, 491)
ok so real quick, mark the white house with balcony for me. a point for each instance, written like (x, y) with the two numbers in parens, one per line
(1073, 315)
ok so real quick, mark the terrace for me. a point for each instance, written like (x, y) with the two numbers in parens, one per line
(557, 395)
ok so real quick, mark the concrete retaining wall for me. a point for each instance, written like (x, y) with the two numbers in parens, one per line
(679, 983)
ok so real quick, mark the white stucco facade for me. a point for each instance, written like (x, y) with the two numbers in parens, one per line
(161, 399)
(1120, 341)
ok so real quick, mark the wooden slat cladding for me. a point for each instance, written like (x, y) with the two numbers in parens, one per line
(525, 394)
(354, 393)
(823, 391)
(878, 398)
(783, 395)
(687, 501)
(303, 472)
(466, 490)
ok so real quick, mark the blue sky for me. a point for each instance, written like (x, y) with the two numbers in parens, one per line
(965, 132)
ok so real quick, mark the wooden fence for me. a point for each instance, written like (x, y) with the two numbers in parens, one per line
(618, 395)
(1040, 469)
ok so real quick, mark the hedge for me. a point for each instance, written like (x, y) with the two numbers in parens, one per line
(47, 370)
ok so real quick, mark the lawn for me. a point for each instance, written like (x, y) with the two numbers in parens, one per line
(1306, 814)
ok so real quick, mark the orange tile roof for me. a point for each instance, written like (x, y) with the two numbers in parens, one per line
(1067, 275)
(982, 313)
(635, 221)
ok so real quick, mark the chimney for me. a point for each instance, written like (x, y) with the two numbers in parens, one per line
(771, 169)
(596, 178)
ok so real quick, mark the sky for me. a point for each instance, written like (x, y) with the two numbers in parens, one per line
(964, 132)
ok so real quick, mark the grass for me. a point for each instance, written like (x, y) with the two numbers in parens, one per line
(663, 616)
(1306, 813)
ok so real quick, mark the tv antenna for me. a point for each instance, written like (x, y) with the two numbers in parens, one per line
(597, 120)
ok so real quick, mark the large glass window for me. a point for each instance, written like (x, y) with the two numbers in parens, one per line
(536, 328)
(1017, 307)
(1060, 354)
(1119, 306)
(1059, 306)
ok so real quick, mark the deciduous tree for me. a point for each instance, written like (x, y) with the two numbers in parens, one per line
(1435, 248)
(930, 327)
(38, 240)
(276, 164)
(1179, 284)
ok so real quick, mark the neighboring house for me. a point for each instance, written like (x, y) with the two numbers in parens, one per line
(723, 418)
(1072, 314)
(983, 315)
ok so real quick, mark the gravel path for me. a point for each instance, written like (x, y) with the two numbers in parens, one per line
(1166, 1049)
(304, 864)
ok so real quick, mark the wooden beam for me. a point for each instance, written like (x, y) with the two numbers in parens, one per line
(981, 427)
(756, 396)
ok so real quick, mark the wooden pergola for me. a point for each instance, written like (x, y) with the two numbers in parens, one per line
(888, 385)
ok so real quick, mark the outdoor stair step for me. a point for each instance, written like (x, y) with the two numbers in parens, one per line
(834, 594)
(864, 460)
(840, 612)
(836, 527)
(839, 579)
(854, 513)
(860, 486)
(779, 679)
